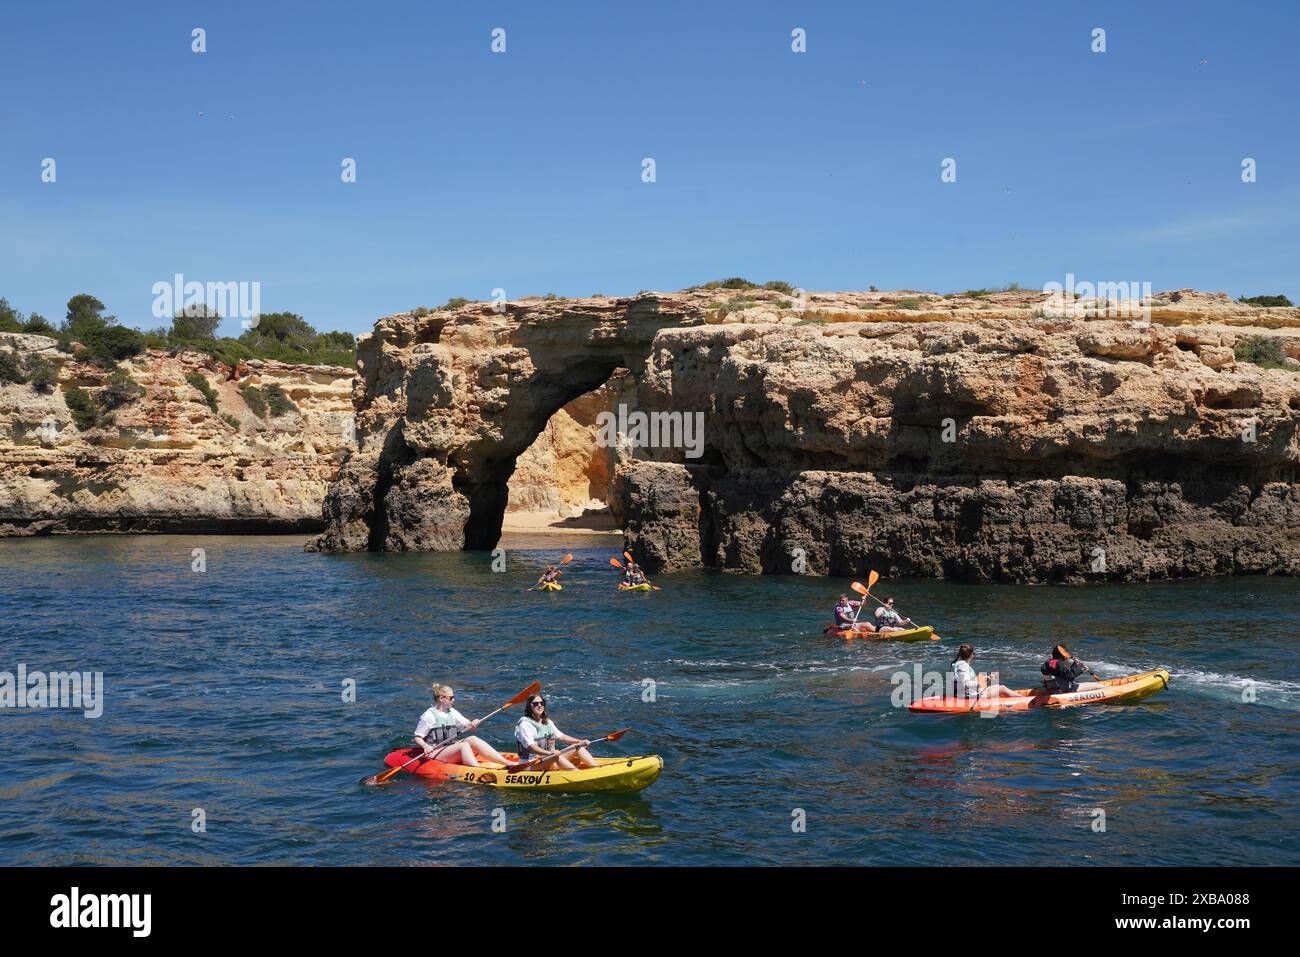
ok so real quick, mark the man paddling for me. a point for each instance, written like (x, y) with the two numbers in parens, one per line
(845, 614)
(550, 575)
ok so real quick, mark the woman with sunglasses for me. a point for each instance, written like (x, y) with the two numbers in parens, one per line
(441, 724)
(537, 736)
(887, 619)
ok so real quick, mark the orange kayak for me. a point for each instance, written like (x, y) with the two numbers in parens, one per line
(1115, 690)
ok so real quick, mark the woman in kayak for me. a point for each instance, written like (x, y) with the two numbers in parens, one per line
(441, 723)
(1062, 670)
(537, 736)
(888, 620)
(550, 575)
(632, 574)
(968, 682)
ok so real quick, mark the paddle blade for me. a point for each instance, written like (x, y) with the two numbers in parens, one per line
(528, 692)
(380, 778)
(872, 578)
(566, 559)
(628, 556)
(860, 588)
(617, 734)
(934, 637)
(616, 563)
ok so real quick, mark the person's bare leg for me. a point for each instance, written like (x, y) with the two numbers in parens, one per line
(585, 759)
(482, 747)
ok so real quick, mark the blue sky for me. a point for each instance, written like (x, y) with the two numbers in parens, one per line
(522, 170)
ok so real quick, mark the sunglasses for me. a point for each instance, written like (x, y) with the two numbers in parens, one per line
(537, 704)
(449, 697)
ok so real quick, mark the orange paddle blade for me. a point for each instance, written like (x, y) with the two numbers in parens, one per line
(628, 556)
(532, 689)
(859, 588)
(616, 563)
(872, 579)
(566, 559)
(617, 734)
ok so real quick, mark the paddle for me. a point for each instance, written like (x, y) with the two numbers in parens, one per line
(528, 692)
(617, 564)
(628, 556)
(873, 578)
(563, 561)
(612, 736)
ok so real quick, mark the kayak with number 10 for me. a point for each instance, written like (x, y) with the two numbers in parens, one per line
(611, 774)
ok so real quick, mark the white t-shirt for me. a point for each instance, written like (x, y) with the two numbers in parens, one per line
(887, 616)
(968, 682)
(527, 736)
(430, 719)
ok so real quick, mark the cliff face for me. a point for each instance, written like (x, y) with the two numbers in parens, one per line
(167, 461)
(1004, 437)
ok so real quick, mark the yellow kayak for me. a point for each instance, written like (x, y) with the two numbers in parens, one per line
(551, 586)
(614, 774)
(641, 587)
(1126, 689)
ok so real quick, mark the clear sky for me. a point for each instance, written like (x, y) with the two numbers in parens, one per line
(523, 170)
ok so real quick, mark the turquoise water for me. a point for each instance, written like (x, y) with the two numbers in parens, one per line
(224, 693)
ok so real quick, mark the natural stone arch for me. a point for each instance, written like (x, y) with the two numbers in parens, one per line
(447, 402)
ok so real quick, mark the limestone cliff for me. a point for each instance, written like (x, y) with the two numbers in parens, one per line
(1011, 436)
(167, 461)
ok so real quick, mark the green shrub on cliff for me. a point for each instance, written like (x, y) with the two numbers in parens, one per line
(908, 304)
(42, 373)
(277, 401)
(10, 369)
(200, 382)
(1264, 351)
(1265, 301)
(85, 411)
(231, 421)
(119, 390)
(105, 342)
(776, 285)
(253, 396)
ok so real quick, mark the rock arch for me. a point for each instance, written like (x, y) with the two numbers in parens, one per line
(446, 402)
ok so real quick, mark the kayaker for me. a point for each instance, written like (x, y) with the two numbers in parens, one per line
(888, 620)
(537, 736)
(634, 575)
(550, 575)
(846, 611)
(968, 682)
(1062, 670)
(440, 724)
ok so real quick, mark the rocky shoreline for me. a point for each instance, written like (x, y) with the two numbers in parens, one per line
(1006, 436)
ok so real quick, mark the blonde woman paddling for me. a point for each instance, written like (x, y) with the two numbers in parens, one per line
(441, 723)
